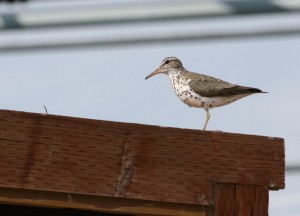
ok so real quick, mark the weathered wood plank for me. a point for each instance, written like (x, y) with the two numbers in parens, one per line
(102, 158)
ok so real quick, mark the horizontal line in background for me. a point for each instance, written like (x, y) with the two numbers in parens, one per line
(293, 169)
(120, 40)
(27, 17)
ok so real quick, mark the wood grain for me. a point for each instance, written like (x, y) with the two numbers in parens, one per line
(113, 159)
(239, 200)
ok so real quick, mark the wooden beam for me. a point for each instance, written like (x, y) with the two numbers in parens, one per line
(233, 199)
(124, 160)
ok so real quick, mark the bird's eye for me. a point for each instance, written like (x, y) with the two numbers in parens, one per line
(167, 62)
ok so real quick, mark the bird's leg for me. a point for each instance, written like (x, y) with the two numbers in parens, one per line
(207, 118)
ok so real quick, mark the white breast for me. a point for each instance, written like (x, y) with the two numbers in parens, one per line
(183, 91)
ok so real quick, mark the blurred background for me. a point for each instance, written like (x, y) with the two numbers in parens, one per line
(89, 59)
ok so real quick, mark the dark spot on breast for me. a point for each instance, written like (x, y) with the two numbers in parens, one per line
(202, 103)
(210, 105)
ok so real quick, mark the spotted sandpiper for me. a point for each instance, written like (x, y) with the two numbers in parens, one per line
(199, 90)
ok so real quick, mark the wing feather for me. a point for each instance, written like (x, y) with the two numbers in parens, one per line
(207, 86)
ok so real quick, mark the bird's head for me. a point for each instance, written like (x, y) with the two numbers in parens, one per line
(166, 66)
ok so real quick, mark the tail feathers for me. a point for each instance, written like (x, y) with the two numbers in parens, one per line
(248, 90)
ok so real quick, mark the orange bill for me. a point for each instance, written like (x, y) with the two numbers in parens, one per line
(154, 73)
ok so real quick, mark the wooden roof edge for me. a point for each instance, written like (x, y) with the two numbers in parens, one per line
(125, 160)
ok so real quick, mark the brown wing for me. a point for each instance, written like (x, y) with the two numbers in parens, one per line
(207, 86)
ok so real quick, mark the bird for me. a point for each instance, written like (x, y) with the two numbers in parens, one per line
(200, 90)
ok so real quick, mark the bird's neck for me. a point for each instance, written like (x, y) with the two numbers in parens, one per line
(173, 72)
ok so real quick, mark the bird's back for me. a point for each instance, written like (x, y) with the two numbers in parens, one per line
(208, 86)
